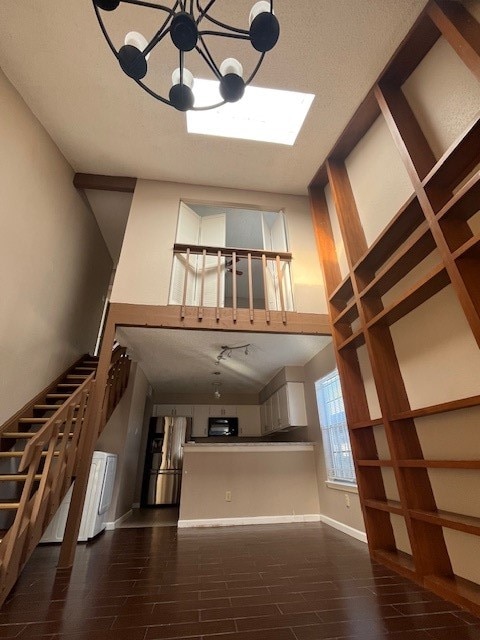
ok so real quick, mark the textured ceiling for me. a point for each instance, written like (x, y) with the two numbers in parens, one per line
(55, 55)
(180, 361)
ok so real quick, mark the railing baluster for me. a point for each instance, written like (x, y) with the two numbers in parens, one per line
(265, 287)
(217, 314)
(234, 285)
(202, 291)
(280, 289)
(250, 286)
(185, 284)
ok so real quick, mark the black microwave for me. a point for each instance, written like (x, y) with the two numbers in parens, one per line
(223, 426)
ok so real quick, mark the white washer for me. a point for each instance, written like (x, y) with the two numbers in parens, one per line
(97, 501)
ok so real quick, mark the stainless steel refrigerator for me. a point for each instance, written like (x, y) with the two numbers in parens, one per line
(164, 460)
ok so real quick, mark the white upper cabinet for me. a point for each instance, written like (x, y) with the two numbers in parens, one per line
(284, 408)
(175, 410)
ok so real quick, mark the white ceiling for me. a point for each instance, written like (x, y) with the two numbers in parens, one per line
(181, 361)
(55, 54)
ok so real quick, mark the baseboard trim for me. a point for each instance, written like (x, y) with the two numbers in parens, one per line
(110, 526)
(136, 505)
(238, 522)
(344, 528)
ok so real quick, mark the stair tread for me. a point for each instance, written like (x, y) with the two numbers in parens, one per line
(33, 420)
(70, 385)
(46, 407)
(22, 434)
(16, 477)
(76, 376)
(58, 395)
(19, 454)
(9, 505)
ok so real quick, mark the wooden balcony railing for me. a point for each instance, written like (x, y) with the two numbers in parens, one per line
(260, 280)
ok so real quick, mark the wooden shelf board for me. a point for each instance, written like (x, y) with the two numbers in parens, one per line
(354, 341)
(344, 291)
(348, 314)
(406, 220)
(392, 506)
(467, 524)
(444, 407)
(375, 463)
(459, 159)
(423, 290)
(440, 464)
(377, 422)
(414, 250)
(396, 560)
(458, 590)
(464, 203)
(471, 247)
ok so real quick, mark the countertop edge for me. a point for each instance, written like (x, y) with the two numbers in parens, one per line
(248, 447)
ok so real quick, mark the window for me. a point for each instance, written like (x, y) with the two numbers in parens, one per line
(336, 443)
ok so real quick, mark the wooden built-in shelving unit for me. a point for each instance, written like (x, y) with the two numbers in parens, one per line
(431, 225)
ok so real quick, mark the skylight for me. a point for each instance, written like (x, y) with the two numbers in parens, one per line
(265, 115)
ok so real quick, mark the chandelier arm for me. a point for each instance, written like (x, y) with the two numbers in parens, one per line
(153, 93)
(255, 71)
(149, 5)
(104, 31)
(216, 70)
(237, 36)
(155, 40)
(206, 55)
(203, 14)
(159, 35)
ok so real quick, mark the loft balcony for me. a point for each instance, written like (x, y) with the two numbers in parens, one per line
(248, 282)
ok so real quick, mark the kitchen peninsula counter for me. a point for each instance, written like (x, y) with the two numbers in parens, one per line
(240, 483)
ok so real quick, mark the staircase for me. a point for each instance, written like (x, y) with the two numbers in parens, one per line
(39, 450)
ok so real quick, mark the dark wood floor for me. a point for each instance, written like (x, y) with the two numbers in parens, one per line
(285, 582)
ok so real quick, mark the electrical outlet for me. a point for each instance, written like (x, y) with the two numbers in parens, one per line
(228, 496)
(347, 501)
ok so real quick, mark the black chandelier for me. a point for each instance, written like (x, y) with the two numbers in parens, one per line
(185, 22)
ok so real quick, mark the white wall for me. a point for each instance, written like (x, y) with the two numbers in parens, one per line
(264, 481)
(144, 269)
(123, 436)
(332, 500)
(54, 264)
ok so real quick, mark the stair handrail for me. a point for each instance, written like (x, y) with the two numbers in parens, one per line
(8, 424)
(43, 436)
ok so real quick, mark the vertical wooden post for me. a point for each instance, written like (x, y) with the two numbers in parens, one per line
(92, 426)
(280, 289)
(202, 290)
(250, 286)
(185, 285)
(219, 268)
(265, 287)
(234, 285)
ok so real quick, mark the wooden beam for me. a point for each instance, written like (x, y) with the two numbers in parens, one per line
(405, 129)
(168, 317)
(460, 29)
(325, 241)
(104, 183)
